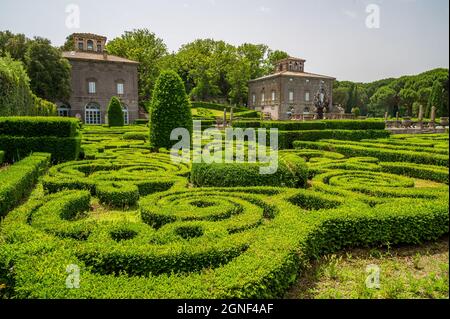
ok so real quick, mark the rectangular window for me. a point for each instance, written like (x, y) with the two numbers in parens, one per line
(120, 89)
(91, 87)
(80, 46)
(263, 98)
(273, 95)
(307, 96)
(291, 96)
(254, 99)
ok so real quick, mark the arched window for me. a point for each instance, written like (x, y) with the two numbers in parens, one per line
(90, 45)
(64, 110)
(92, 114)
(125, 114)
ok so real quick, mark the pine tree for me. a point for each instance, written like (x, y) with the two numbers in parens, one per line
(436, 100)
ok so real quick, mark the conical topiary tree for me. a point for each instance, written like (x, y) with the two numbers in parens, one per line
(115, 113)
(170, 109)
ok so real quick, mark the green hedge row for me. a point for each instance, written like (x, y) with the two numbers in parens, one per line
(61, 148)
(16, 97)
(141, 121)
(381, 154)
(247, 114)
(314, 125)
(262, 260)
(135, 136)
(291, 171)
(286, 139)
(18, 179)
(215, 106)
(39, 126)
(426, 172)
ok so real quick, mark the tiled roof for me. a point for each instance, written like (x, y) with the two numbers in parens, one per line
(295, 74)
(92, 56)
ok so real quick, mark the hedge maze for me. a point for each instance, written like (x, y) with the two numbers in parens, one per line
(137, 225)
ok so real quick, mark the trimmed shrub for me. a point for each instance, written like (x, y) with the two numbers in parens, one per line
(291, 172)
(39, 126)
(61, 148)
(287, 138)
(18, 179)
(16, 97)
(141, 122)
(247, 114)
(115, 113)
(381, 154)
(170, 109)
(315, 125)
(2, 156)
(426, 172)
(117, 194)
(216, 106)
(135, 136)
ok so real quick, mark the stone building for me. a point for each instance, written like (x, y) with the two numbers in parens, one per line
(289, 90)
(96, 77)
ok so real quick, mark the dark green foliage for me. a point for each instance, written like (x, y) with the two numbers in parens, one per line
(18, 179)
(141, 122)
(115, 113)
(39, 126)
(49, 72)
(170, 109)
(2, 156)
(21, 136)
(16, 97)
(436, 100)
(291, 172)
(62, 148)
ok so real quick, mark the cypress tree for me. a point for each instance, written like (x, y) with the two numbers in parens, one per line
(170, 109)
(436, 100)
(115, 113)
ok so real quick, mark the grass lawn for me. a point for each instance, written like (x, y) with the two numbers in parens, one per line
(406, 272)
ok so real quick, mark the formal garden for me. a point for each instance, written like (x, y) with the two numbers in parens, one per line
(135, 224)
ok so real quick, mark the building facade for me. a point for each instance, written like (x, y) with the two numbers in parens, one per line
(288, 91)
(96, 77)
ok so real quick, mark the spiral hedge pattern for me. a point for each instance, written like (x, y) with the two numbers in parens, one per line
(131, 223)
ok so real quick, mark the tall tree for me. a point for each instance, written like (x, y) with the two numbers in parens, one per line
(407, 99)
(170, 109)
(49, 72)
(436, 99)
(145, 47)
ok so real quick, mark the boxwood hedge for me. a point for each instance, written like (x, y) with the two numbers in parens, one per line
(181, 241)
(17, 180)
(39, 126)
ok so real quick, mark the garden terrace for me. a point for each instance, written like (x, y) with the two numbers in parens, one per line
(137, 228)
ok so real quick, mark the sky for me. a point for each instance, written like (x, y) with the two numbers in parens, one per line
(355, 40)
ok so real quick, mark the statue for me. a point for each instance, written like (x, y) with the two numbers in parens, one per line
(321, 101)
